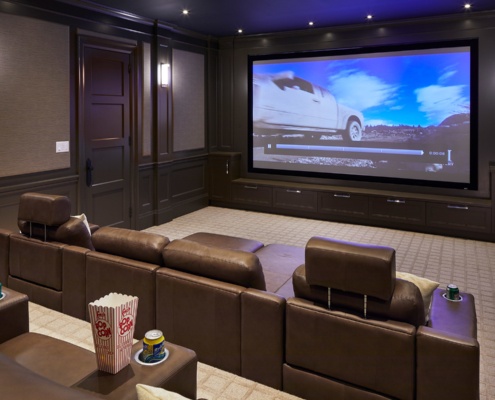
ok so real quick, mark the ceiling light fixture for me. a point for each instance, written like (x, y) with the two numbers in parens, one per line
(369, 17)
(239, 31)
(185, 11)
(467, 6)
(311, 23)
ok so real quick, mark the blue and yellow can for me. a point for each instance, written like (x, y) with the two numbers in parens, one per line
(153, 346)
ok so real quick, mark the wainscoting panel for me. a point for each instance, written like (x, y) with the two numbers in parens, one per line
(181, 188)
(9, 198)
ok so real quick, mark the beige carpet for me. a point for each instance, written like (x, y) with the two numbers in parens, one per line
(468, 263)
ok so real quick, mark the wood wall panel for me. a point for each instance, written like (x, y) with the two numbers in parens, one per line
(9, 200)
(188, 180)
(181, 188)
(147, 123)
(145, 201)
(188, 87)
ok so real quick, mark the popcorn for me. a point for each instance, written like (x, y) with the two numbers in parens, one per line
(113, 319)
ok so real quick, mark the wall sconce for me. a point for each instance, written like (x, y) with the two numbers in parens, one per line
(165, 74)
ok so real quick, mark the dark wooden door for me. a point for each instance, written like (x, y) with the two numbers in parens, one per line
(106, 134)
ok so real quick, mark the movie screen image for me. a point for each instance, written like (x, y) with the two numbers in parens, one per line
(391, 114)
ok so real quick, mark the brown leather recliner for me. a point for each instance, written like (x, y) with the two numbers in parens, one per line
(354, 331)
(213, 300)
(198, 299)
(34, 366)
(48, 234)
(125, 261)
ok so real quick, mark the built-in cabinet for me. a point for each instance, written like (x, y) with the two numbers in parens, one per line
(397, 210)
(458, 216)
(224, 168)
(295, 199)
(343, 204)
(451, 216)
(251, 194)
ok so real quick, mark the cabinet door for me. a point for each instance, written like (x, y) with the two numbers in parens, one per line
(252, 194)
(295, 199)
(462, 217)
(353, 205)
(224, 168)
(397, 210)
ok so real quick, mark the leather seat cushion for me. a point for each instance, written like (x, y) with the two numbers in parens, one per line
(231, 266)
(136, 245)
(18, 382)
(279, 262)
(49, 357)
(225, 241)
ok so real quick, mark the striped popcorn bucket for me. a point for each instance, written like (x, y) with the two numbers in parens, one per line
(113, 319)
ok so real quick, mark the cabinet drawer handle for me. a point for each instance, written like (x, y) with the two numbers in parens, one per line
(293, 191)
(396, 201)
(251, 187)
(342, 196)
(451, 206)
(227, 167)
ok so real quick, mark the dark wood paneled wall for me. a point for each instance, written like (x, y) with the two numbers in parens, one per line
(232, 134)
(166, 182)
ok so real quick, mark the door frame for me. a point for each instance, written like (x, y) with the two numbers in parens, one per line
(129, 47)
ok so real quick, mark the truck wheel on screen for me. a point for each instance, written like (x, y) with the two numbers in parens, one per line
(353, 133)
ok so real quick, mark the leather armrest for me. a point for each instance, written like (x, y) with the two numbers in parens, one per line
(447, 364)
(4, 255)
(448, 353)
(454, 317)
(14, 315)
(262, 334)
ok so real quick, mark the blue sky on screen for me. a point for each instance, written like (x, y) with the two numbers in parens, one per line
(401, 89)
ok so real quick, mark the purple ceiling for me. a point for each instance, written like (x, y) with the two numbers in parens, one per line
(225, 17)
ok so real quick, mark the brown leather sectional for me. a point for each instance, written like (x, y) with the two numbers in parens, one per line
(36, 366)
(330, 320)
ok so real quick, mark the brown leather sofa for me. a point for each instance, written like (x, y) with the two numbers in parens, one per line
(261, 311)
(126, 261)
(36, 366)
(364, 332)
(214, 300)
(62, 265)
(46, 258)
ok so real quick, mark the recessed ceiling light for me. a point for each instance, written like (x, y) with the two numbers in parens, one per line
(185, 11)
(467, 6)
(369, 17)
(239, 30)
(311, 23)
